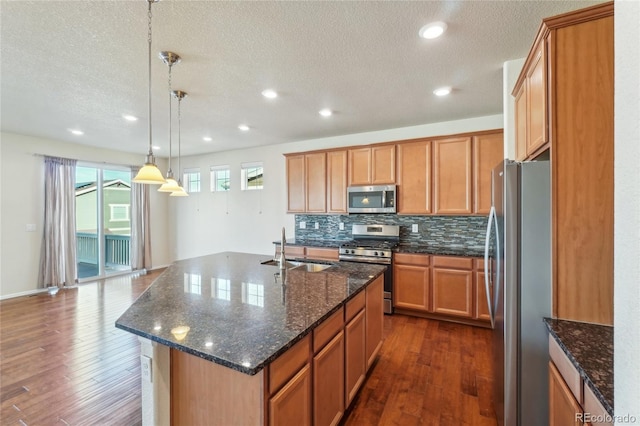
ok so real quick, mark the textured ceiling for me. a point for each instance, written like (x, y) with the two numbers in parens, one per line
(82, 64)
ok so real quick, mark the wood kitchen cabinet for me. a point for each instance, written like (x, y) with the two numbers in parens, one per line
(306, 183)
(452, 286)
(374, 319)
(355, 346)
(372, 165)
(531, 105)
(488, 152)
(337, 181)
(452, 176)
(412, 282)
(414, 177)
(564, 410)
(296, 181)
(328, 382)
(481, 305)
(568, 85)
(292, 404)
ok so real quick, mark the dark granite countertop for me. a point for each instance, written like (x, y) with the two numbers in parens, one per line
(441, 250)
(238, 311)
(590, 348)
(313, 243)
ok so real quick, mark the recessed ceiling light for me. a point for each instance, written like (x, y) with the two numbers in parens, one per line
(76, 132)
(243, 127)
(433, 30)
(129, 117)
(156, 147)
(442, 91)
(326, 112)
(207, 139)
(270, 94)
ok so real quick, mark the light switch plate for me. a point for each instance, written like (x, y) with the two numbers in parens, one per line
(31, 227)
(317, 225)
(303, 225)
(341, 226)
(145, 368)
(414, 227)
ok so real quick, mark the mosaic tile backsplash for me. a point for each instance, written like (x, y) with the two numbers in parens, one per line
(437, 231)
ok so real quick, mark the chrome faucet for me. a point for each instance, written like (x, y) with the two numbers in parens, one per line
(282, 259)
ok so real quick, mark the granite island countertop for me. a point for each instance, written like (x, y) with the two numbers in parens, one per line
(238, 311)
(589, 347)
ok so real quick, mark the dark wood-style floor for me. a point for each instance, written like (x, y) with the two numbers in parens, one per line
(62, 361)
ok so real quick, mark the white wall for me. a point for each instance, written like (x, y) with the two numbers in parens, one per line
(22, 201)
(627, 211)
(250, 221)
(510, 72)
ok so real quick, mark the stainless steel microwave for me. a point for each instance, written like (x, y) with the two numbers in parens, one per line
(371, 199)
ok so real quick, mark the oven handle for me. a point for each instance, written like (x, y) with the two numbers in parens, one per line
(358, 259)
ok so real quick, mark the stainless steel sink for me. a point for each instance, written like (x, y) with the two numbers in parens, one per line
(306, 266)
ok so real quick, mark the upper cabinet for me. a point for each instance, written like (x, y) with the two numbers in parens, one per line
(488, 152)
(306, 183)
(452, 176)
(296, 184)
(414, 178)
(337, 181)
(568, 83)
(532, 120)
(372, 165)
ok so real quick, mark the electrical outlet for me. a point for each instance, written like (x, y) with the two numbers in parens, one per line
(317, 225)
(31, 227)
(303, 225)
(145, 368)
(341, 226)
(414, 227)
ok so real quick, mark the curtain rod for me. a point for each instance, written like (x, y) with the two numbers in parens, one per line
(37, 154)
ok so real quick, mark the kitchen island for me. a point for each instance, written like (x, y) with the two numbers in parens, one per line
(235, 341)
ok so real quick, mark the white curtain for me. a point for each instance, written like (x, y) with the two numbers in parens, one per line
(140, 230)
(58, 255)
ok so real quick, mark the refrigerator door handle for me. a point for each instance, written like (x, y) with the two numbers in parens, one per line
(488, 269)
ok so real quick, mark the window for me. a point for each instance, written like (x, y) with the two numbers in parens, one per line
(119, 212)
(220, 178)
(192, 180)
(251, 174)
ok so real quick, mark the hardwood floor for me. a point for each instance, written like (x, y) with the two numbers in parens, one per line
(62, 361)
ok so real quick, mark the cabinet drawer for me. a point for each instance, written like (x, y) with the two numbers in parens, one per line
(288, 364)
(595, 409)
(412, 259)
(566, 369)
(452, 262)
(354, 306)
(292, 252)
(329, 328)
(322, 253)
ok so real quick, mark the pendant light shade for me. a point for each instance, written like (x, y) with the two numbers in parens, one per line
(149, 173)
(169, 186)
(180, 192)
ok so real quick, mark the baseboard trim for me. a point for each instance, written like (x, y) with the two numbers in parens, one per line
(23, 293)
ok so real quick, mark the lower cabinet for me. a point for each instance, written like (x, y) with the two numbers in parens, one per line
(564, 410)
(374, 319)
(328, 383)
(355, 355)
(412, 281)
(292, 404)
(452, 280)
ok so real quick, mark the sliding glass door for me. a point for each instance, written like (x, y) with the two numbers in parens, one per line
(103, 220)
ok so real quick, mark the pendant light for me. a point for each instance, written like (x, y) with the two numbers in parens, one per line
(170, 59)
(149, 173)
(180, 192)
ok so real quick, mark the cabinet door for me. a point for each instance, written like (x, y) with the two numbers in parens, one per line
(482, 307)
(359, 166)
(316, 181)
(292, 404)
(295, 184)
(337, 182)
(411, 287)
(563, 407)
(452, 292)
(414, 178)
(452, 176)
(328, 383)
(488, 151)
(374, 319)
(521, 122)
(537, 101)
(383, 165)
(355, 352)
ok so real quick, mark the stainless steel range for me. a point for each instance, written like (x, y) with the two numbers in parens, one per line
(374, 244)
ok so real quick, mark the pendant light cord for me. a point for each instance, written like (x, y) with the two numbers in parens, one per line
(149, 39)
(179, 140)
(170, 172)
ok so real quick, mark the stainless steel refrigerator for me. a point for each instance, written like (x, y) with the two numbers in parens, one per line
(518, 273)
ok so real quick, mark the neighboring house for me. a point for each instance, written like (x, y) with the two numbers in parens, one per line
(116, 207)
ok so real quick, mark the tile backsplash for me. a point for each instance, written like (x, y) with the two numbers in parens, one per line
(437, 231)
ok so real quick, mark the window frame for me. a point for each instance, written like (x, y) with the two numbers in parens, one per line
(214, 177)
(245, 168)
(187, 181)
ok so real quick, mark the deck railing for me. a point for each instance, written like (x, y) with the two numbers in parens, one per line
(116, 248)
